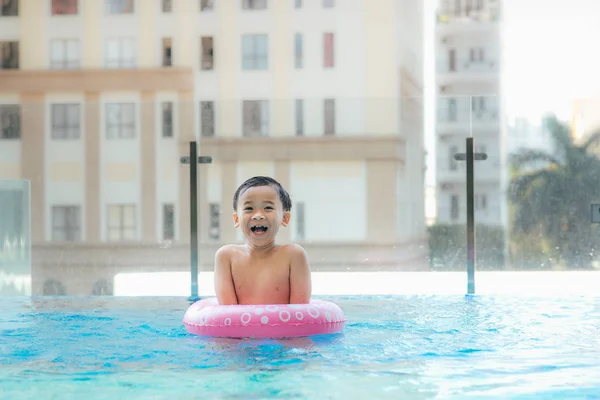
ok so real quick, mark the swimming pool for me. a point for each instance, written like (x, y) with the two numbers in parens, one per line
(409, 347)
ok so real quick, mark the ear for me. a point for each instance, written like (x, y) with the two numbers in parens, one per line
(286, 218)
(236, 220)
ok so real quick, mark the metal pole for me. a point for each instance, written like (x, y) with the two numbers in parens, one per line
(470, 219)
(194, 218)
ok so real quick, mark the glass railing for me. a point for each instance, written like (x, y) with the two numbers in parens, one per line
(379, 193)
(467, 65)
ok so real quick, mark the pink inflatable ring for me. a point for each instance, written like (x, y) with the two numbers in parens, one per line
(207, 318)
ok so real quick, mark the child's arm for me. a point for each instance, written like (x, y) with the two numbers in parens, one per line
(223, 280)
(300, 281)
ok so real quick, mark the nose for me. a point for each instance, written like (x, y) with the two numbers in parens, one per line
(258, 216)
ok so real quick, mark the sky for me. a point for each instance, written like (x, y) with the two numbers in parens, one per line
(551, 54)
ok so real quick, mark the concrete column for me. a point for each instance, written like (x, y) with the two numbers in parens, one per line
(228, 187)
(148, 167)
(185, 135)
(203, 209)
(92, 138)
(282, 64)
(148, 42)
(382, 201)
(229, 64)
(33, 52)
(282, 175)
(33, 160)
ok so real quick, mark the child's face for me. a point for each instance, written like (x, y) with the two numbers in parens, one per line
(260, 214)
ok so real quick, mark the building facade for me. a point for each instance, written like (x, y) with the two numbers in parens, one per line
(585, 121)
(99, 100)
(469, 104)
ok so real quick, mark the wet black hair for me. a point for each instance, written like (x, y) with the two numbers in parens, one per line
(255, 181)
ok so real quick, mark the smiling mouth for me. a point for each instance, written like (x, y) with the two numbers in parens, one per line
(258, 229)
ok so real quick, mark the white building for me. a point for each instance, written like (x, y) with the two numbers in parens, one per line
(469, 103)
(103, 96)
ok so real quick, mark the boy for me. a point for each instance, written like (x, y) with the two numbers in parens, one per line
(261, 271)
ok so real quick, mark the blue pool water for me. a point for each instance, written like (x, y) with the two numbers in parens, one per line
(393, 347)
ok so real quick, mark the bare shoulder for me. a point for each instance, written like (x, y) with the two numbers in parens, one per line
(226, 252)
(295, 251)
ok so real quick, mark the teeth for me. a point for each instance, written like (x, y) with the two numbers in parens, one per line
(258, 228)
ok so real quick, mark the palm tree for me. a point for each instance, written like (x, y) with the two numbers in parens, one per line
(554, 201)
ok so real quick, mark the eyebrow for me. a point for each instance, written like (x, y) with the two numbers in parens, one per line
(267, 201)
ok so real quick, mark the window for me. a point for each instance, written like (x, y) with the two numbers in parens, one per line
(300, 222)
(168, 221)
(167, 119)
(121, 222)
(167, 61)
(10, 121)
(328, 3)
(65, 120)
(254, 4)
(214, 227)
(256, 118)
(477, 54)
(299, 117)
(478, 104)
(120, 121)
(120, 53)
(451, 60)
(207, 118)
(119, 6)
(64, 7)
(329, 116)
(480, 201)
(207, 51)
(9, 51)
(328, 48)
(298, 50)
(64, 54)
(255, 52)
(66, 223)
(167, 6)
(206, 5)
(480, 149)
(453, 165)
(454, 211)
(297, 3)
(451, 109)
(9, 8)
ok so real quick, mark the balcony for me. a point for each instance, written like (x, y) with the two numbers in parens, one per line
(467, 115)
(451, 176)
(450, 15)
(465, 70)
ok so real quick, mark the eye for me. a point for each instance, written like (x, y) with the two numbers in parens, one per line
(248, 209)
(268, 208)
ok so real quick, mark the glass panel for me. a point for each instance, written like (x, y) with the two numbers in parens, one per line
(15, 238)
(367, 149)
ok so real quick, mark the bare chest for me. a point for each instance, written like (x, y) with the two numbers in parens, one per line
(265, 281)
